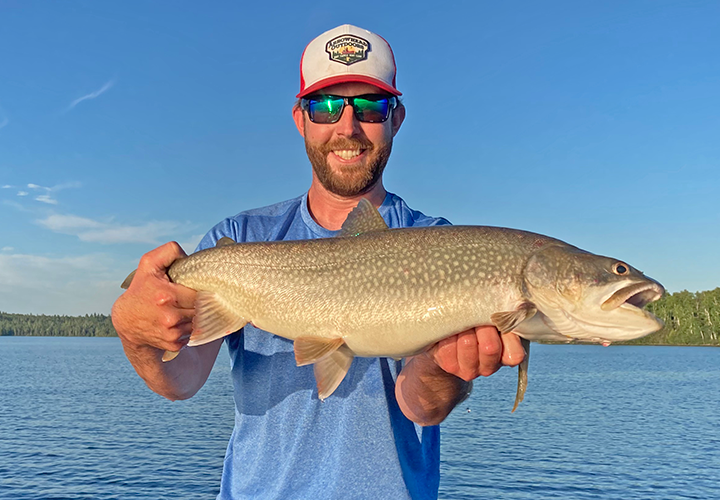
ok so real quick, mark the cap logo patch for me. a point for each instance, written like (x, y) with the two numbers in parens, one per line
(347, 49)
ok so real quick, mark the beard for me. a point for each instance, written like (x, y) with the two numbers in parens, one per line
(351, 180)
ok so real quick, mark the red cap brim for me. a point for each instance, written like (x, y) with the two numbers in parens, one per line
(334, 80)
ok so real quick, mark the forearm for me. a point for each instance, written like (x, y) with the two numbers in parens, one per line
(179, 379)
(426, 393)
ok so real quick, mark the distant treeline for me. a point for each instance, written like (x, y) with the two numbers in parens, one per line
(90, 325)
(690, 319)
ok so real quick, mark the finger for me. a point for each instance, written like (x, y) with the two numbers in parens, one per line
(183, 332)
(158, 260)
(445, 355)
(175, 338)
(178, 296)
(468, 355)
(170, 318)
(513, 352)
(185, 297)
(172, 345)
(489, 349)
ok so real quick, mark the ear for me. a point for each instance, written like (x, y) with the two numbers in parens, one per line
(398, 116)
(299, 118)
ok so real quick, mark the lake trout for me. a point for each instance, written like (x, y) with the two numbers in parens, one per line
(375, 291)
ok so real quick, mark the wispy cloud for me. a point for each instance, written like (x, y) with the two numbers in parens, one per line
(45, 198)
(69, 223)
(41, 284)
(8, 186)
(92, 95)
(48, 197)
(22, 193)
(7, 249)
(95, 231)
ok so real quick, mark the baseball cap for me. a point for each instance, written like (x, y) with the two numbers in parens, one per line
(347, 54)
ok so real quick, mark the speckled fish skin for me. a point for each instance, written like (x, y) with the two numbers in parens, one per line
(386, 293)
(395, 292)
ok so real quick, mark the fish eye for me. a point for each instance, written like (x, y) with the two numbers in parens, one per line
(620, 268)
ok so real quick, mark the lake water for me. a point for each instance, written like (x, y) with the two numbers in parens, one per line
(597, 423)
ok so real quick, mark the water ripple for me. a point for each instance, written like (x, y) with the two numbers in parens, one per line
(622, 423)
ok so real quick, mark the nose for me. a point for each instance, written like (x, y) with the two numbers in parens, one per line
(347, 125)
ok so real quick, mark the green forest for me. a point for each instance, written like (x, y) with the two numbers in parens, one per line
(90, 325)
(690, 319)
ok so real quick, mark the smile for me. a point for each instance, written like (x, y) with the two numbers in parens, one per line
(347, 154)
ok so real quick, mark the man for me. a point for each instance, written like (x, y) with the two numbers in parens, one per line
(361, 441)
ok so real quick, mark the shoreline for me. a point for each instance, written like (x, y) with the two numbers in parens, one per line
(618, 344)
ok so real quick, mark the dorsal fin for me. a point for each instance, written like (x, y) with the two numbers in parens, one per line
(224, 241)
(364, 218)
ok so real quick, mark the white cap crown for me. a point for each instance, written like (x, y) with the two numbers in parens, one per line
(347, 54)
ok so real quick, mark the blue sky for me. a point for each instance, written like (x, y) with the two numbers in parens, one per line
(124, 125)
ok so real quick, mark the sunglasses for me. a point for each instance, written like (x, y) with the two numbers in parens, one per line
(368, 108)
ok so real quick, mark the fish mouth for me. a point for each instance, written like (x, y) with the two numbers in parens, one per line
(637, 295)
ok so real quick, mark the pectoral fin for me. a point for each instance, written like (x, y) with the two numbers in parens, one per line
(507, 321)
(332, 359)
(214, 319)
(522, 375)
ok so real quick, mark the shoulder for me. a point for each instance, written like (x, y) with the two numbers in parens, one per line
(398, 214)
(258, 224)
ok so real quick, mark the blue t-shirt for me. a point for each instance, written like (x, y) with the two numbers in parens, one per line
(288, 444)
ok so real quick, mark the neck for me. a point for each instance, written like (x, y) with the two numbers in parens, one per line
(330, 210)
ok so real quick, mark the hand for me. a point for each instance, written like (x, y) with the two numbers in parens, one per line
(480, 351)
(154, 311)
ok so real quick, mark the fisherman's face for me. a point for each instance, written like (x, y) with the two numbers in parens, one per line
(348, 157)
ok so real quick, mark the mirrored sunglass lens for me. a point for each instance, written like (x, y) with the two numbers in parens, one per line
(372, 110)
(325, 110)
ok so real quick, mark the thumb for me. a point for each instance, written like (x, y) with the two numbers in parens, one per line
(158, 261)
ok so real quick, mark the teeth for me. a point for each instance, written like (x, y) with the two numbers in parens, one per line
(347, 154)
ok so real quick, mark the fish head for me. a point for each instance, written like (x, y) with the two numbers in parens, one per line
(589, 297)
